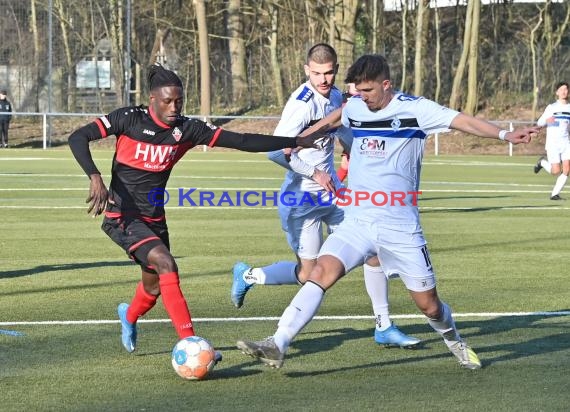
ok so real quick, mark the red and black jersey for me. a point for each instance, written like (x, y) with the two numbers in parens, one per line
(147, 150)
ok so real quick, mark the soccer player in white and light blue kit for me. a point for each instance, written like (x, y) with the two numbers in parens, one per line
(308, 187)
(556, 119)
(389, 131)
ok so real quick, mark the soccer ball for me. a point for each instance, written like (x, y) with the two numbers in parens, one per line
(193, 358)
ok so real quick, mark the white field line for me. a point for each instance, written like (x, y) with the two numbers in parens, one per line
(196, 208)
(194, 159)
(274, 318)
(258, 189)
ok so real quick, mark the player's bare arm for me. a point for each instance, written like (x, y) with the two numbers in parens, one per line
(482, 128)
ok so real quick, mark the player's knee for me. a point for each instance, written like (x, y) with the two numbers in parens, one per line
(428, 303)
(432, 312)
(162, 261)
(326, 272)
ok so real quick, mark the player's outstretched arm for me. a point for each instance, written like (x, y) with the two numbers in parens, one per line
(483, 128)
(251, 142)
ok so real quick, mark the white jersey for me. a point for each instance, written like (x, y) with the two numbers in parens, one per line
(303, 109)
(557, 133)
(386, 156)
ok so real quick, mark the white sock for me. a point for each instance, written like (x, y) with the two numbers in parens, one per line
(559, 185)
(280, 273)
(445, 326)
(377, 287)
(300, 311)
(545, 165)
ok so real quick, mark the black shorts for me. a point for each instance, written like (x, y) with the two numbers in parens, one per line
(137, 237)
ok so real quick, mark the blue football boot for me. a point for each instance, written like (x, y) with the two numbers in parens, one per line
(128, 330)
(394, 337)
(239, 285)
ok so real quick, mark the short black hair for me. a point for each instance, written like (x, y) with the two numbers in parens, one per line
(322, 53)
(158, 76)
(3, 91)
(368, 67)
(560, 84)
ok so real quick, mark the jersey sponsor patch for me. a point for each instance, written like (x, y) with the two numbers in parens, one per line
(305, 95)
(147, 156)
(373, 147)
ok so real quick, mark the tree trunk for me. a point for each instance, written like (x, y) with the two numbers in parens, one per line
(378, 36)
(421, 30)
(345, 18)
(472, 84)
(237, 55)
(205, 92)
(69, 69)
(455, 98)
(437, 55)
(404, 45)
(275, 66)
(117, 39)
(37, 53)
(532, 45)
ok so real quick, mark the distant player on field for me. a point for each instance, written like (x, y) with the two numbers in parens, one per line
(556, 119)
(389, 130)
(311, 181)
(150, 141)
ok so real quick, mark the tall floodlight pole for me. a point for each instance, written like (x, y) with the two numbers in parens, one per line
(128, 54)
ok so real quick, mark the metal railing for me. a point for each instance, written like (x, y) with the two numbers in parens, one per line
(47, 133)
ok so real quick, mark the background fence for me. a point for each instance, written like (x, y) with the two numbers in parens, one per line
(30, 130)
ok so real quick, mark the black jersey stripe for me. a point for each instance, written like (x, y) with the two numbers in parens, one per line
(384, 124)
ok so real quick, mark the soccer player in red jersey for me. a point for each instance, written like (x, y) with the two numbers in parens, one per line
(150, 141)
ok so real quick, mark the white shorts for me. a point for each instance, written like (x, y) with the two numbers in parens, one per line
(402, 251)
(558, 153)
(304, 226)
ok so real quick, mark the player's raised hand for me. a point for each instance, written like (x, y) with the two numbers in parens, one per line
(523, 135)
(317, 139)
(98, 196)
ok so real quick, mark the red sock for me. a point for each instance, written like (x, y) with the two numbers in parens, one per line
(175, 304)
(341, 173)
(142, 302)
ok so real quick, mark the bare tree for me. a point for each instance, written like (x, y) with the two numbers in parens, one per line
(534, 59)
(237, 54)
(471, 101)
(69, 71)
(275, 65)
(437, 54)
(344, 35)
(404, 44)
(378, 41)
(421, 31)
(455, 98)
(117, 39)
(205, 92)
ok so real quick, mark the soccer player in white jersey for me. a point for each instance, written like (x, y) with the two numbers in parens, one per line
(308, 189)
(389, 131)
(556, 119)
